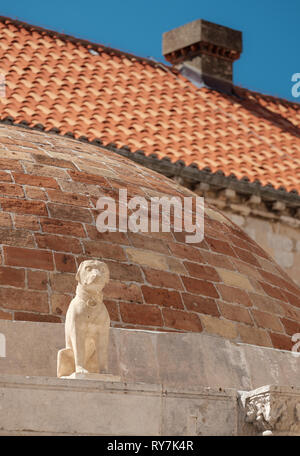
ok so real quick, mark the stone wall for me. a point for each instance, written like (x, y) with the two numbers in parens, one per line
(49, 187)
(87, 407)
(279, 239)
(155, 358)
(154, 396)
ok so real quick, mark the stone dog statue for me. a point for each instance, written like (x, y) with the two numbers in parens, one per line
(87, 324)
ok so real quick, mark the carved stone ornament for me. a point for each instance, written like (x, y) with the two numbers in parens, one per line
(273, 410)
(87, 325)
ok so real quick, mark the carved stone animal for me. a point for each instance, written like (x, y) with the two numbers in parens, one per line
(87, 323)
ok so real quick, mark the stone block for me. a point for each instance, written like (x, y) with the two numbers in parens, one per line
(162, 297)
(235, 313)
(284, 259)
(279, 242)
(29, 222)
(235, 279)
(140, 314)
(147, 258)
(237, 219)
(78, 407)
(254, 336)
(179, 319)
(223, 328)
(200, 412)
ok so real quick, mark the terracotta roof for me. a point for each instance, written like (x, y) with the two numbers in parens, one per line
(89, 90)
(49, 186)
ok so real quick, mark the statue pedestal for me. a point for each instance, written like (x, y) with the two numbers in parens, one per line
(94, 376)
(79, 407)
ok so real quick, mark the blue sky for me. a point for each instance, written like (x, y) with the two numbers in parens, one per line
(270, 30)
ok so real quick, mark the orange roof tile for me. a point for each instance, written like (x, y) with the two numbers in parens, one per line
(89, 90)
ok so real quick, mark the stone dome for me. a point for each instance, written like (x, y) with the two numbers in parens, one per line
(49, 185)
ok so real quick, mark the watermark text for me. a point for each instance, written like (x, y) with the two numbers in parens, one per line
(164, 214)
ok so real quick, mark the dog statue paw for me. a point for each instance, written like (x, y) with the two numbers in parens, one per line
(81, 370)
(87, 324)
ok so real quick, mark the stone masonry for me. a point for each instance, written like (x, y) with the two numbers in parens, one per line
(49, 186)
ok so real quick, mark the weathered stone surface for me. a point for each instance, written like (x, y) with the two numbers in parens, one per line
(201, 30)
(277, 238)
(234, 279)
(31, 344)
(159, 280)
(78, 407)
(224, 328)
(273, 410)
(146, 258)
(200, 412)
(107, 406)
(155, 357)
(95, 407)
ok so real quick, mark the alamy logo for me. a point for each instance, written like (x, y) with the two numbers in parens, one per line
(2, 86)
(2, 346)
(159, 214)
(296, 87)
(295, 347)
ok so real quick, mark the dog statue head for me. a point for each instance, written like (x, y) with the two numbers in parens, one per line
(93, 275)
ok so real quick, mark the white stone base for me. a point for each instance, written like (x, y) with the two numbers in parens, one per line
(94, 376)
(55, 406)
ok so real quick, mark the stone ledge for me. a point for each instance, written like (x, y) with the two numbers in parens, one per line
(95, 384)
(51, 406)
(94, 376)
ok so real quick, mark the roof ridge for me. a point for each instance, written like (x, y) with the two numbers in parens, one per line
(110, 50)
(265, 95)
(86, 43)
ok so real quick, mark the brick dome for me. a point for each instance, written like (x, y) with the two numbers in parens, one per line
(49, 185)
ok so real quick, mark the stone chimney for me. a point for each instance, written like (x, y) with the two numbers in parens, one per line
(204, 52)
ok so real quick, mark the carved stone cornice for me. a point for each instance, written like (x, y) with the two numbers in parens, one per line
(273, 410)
(199, 48)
